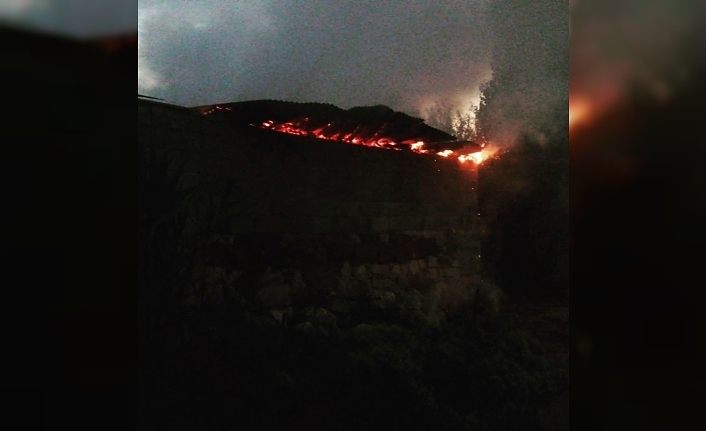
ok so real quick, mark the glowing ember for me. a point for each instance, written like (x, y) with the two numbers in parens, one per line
(216, 108)
(300, 129)
(417, 146)
(296, 129)
(445, 153)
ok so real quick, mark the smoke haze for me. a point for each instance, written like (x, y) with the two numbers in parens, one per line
(407, 55)
(425, 58)
(529, 92)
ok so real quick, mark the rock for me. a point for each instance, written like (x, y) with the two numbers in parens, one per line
(304, 328)
(323, 317)
(341, 306)
(380, 224)
(383, 283)
(361, 272)
(378, 269)
(298, 281)
(214, 293)
(278, 315)
(319, 321)
(383, 299)
(272, 277)
(275, 296)
(451, 272)
(346, 270)
(233, 276)
(214, 274)
(192, 301)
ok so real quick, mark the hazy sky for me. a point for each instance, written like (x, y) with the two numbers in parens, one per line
(404, 54)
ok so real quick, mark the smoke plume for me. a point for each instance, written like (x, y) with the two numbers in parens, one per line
(528, 94)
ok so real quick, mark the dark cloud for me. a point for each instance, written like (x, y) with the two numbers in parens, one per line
(407, 55)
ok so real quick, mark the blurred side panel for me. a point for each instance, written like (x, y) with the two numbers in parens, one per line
(68, 237)
(638, 197)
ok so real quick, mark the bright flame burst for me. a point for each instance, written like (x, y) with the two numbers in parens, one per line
(477, 157)
(418, 147)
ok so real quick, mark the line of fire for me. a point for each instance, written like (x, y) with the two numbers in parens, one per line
(376, 127)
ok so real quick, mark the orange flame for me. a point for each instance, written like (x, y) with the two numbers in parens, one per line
(445, 153)
(477, 158)
(418, 147)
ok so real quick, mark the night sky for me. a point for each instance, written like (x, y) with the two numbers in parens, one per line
(407, 55)
(419, 57)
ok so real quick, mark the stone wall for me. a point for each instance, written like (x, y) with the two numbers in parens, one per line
(289, 217)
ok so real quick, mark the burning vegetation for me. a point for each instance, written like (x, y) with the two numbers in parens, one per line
(376, 127)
